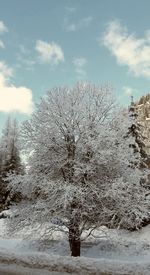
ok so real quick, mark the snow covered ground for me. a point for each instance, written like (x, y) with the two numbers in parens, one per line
(117, 252)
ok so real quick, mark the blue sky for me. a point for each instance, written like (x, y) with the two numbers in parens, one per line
(48, 43)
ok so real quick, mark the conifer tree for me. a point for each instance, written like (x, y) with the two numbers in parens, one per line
(10, 161)
(131, 210)
(138, 140)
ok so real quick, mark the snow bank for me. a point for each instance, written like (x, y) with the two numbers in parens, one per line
(74, 265)
(2, 227)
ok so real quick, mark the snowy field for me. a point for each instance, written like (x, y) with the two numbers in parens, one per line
(116, 252)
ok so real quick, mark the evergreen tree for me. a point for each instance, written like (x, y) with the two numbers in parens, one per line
(10, 161)
(131, 210)
(138, 140)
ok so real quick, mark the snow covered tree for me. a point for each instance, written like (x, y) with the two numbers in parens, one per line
(131, 210)
(134, 130)
(9, 158)
(75, 158)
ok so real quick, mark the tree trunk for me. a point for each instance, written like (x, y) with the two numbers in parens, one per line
(74, 240)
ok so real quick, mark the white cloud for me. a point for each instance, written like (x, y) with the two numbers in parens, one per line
(27, 63)
(70, 9)
(72, 26)
(128, 49)
(85, 22)
(80, 66)
(25, 58)
(128, 91)
(49, 52)
(5, 70)
(2, 46)
(3, 28)
(13, 98)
